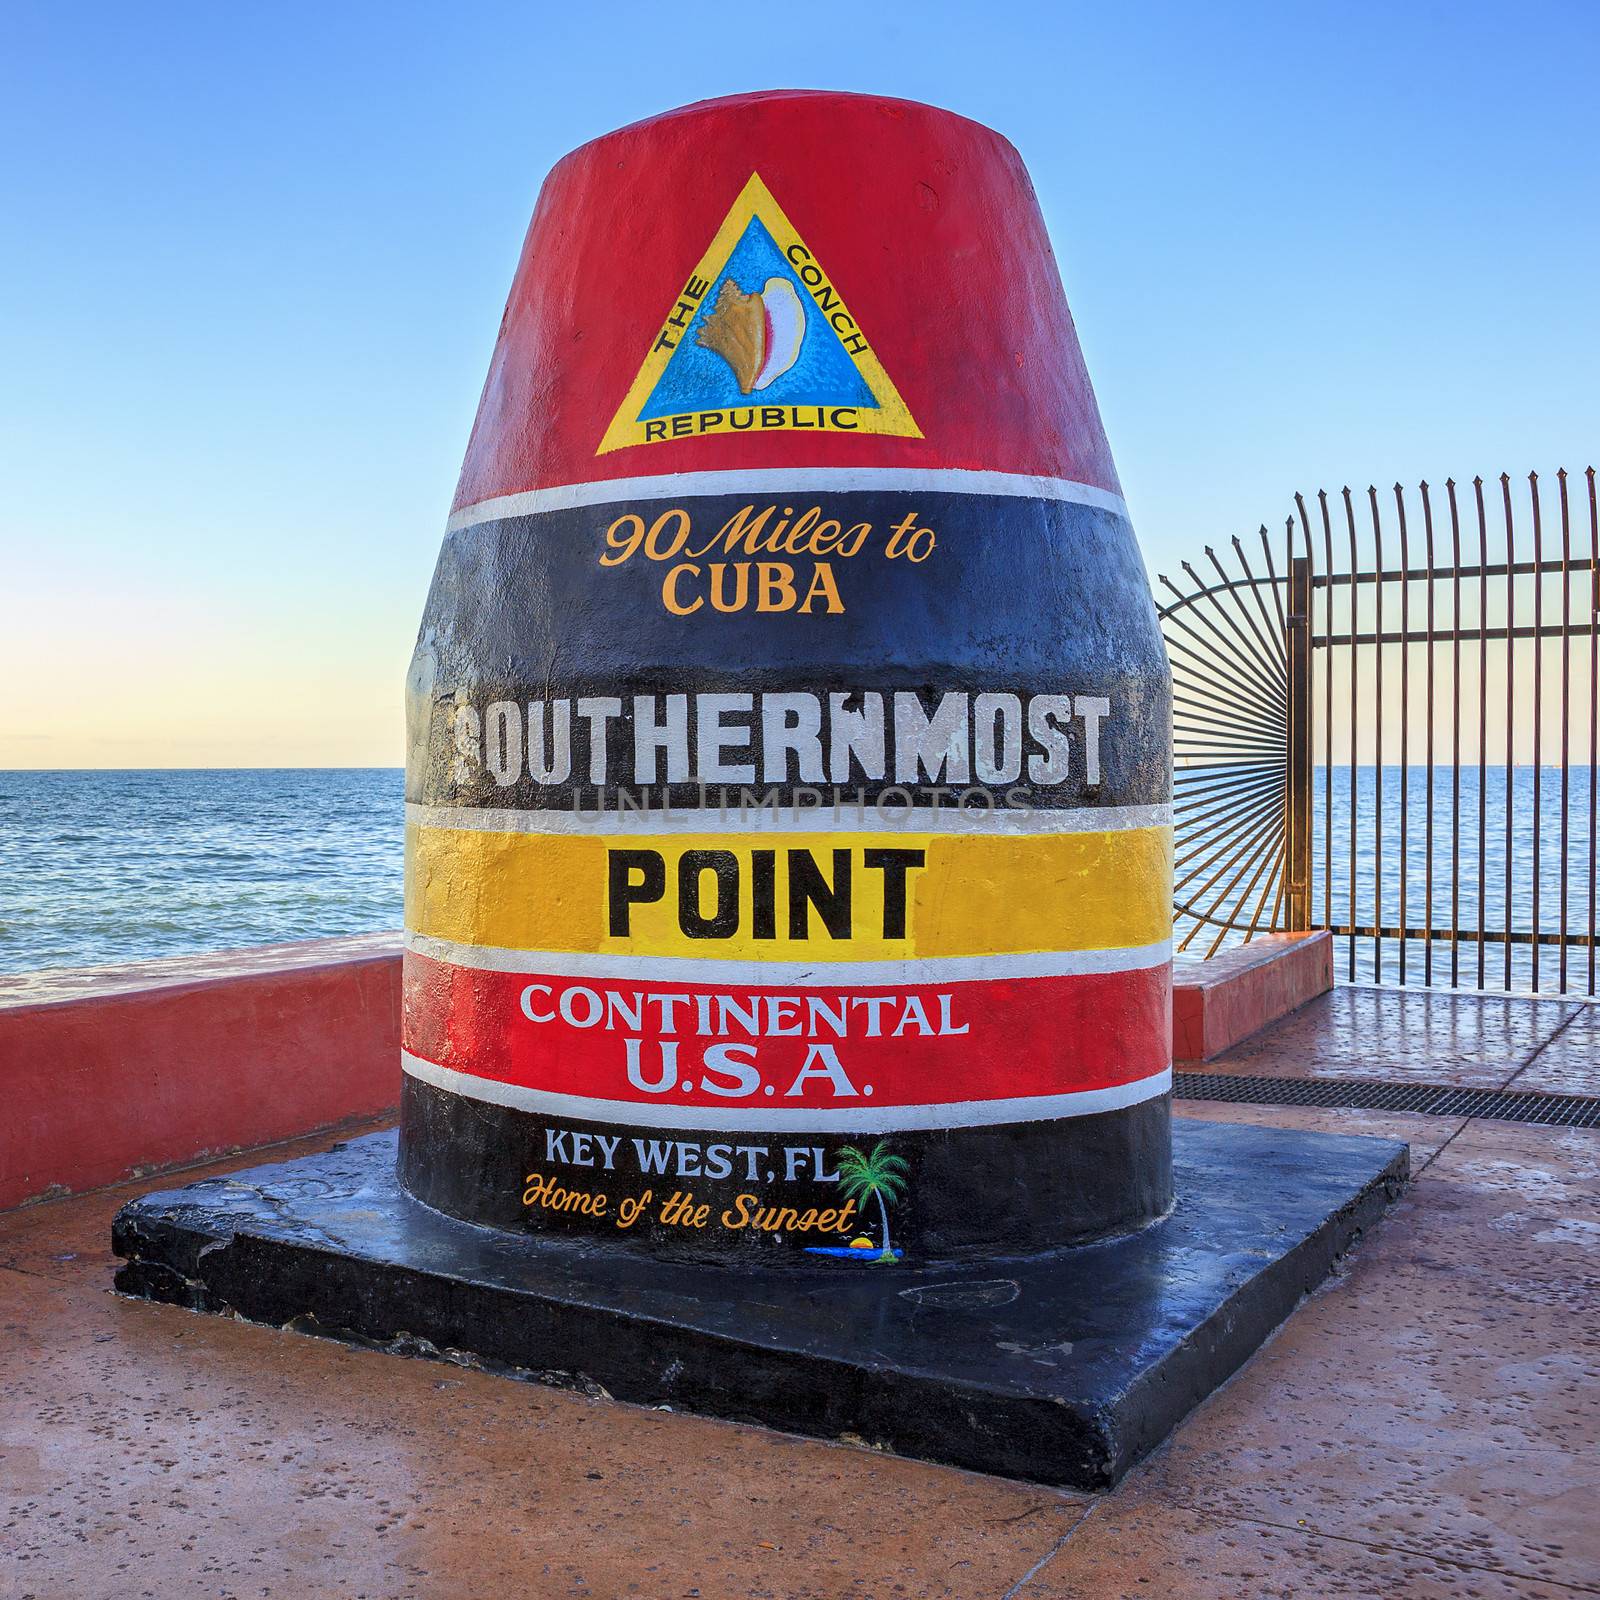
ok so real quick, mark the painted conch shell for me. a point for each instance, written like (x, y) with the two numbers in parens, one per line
(758, 335)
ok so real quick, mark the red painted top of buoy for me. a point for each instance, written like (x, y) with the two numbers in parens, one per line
(923, 222)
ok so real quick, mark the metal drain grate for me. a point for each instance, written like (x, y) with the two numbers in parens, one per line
(1500, 1105)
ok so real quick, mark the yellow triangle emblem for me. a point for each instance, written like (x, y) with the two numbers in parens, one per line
(760, 340)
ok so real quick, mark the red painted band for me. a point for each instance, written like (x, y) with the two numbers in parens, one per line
(925, 223)
(935, 1044)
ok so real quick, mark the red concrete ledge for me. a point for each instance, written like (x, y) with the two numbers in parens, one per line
(1217, 1003)
(109, 1073)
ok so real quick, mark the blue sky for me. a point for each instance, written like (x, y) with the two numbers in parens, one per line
(255, 257)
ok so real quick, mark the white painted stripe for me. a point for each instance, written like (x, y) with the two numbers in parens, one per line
(719, 1119)
(787, 481)
(792, 974)
(843, 818)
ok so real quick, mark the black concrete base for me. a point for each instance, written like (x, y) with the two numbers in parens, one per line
(1064, 1370)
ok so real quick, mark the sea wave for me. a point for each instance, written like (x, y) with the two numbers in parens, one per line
(100, 867)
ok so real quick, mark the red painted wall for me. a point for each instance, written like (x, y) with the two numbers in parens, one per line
(110, 1072)
(1218, 1003)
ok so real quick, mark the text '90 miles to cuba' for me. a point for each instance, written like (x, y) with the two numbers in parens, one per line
(767, 561)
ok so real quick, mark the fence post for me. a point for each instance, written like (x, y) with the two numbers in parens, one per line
(1297, 649)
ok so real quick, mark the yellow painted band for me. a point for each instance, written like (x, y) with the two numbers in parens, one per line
(971, 895)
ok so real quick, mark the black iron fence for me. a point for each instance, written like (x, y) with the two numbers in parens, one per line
(1385, 723)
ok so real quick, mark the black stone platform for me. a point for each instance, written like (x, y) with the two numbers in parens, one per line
(1064, 1370)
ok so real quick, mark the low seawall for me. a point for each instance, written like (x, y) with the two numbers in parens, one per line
(110, 1073)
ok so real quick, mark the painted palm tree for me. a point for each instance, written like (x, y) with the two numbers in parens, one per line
(880, 1175)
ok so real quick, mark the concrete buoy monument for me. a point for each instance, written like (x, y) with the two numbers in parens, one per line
(789, 848)
(789, 763)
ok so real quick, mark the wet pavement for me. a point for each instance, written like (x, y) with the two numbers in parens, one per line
(1426, 1424)
(1410, 1036)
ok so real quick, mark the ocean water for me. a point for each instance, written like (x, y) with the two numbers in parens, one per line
(1536, 839)
(119, 866)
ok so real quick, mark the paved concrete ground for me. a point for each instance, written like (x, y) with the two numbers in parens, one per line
(1422, 1036)
(1427, 1424)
